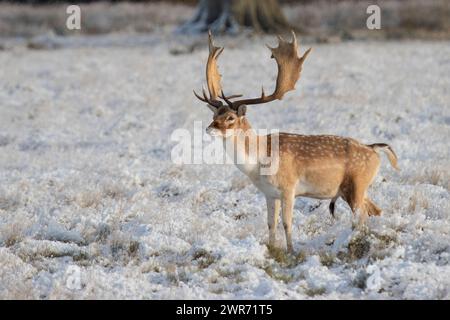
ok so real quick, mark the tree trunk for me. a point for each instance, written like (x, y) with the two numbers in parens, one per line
(225, 16)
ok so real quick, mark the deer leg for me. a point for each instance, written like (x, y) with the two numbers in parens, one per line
(354, 195)
(273, 211)
(358, 209)
(372, 208)
(287, 203)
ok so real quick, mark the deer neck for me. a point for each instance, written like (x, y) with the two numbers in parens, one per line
(241, 147)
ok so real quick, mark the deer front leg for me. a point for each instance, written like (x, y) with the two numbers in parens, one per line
(273, 211)
(287, 202)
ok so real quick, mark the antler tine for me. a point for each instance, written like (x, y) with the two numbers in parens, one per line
(226, 99)
(294, 39)
(213, 103)
(233, 96)
(198, 97)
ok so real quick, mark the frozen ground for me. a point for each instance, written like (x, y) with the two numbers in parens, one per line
(87, 186)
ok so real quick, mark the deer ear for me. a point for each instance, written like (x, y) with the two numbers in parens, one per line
(242, 109)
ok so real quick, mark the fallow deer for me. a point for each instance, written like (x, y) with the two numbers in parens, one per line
(315, 166)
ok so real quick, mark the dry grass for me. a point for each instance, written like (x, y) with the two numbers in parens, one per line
(359, 246)
(8, 202)
(285, 259)
(278, 274)
(88, 199)
(312, 292)
(203, 258)
(123, 247)
(13, 234)
(93, 197)
(417, 201)
(438, 176)
(327, 259)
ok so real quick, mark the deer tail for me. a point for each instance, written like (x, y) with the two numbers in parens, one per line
(388, 151)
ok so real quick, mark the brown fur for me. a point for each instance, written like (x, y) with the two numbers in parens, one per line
(320, 166)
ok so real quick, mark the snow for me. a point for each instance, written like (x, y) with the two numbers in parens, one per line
(86, 181)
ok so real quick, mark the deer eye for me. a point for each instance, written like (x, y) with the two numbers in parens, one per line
(230, 118)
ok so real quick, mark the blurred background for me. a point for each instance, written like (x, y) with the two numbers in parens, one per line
(322, 20)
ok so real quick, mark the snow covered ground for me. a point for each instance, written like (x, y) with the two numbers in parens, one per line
(92, 207)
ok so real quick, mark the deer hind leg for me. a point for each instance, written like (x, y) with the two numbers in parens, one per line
(273, 212)
(371, 208)
(354, 194)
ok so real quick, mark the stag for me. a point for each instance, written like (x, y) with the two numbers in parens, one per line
(314, 166)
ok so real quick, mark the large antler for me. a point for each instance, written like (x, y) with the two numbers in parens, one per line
(289, 68)
(212, 76)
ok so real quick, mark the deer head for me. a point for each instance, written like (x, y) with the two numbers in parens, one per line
(229, 114)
